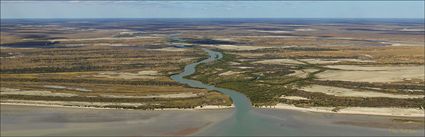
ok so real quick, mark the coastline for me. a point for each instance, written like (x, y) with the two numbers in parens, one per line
(85, 105)
(376, 111)
(387, 111)
(30, 120)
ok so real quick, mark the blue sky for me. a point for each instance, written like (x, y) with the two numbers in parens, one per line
(212, 9)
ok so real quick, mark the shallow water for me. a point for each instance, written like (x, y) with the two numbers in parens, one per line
(244, 120)
(248, 121)
(53, 121)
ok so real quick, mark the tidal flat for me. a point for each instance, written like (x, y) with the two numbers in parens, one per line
(150, 77)
(17, 120)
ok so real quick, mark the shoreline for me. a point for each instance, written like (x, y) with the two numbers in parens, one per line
(375, 111)
(387, 111)
(61, 104)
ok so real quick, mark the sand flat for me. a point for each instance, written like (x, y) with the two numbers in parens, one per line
(50, 121)
(330, 61)
(293, 97)
(337, 91)
(228, 73)
(302, 73)
(382, 111)
(148, 74)
(176, 95)
(373, 73)
(235, 47)
(13, 91)
(170, 49)
(279, 62)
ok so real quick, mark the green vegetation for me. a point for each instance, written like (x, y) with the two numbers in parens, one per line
(265, 66)
(264, 84)
(102, 70)
(212, 98)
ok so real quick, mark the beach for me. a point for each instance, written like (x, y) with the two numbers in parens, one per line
(379, 111)
(19, 120)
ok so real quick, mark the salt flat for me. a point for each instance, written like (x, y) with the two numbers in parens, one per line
(373, 73)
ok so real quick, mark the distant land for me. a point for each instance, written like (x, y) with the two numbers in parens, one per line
(274, 75)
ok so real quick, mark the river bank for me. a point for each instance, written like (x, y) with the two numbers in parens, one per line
(19, 120)
(241, 102)
(378, 111)
(396, 112)
(96, 105)
(243, 120)
(52, 121)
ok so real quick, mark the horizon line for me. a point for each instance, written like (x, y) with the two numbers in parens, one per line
(222, 18)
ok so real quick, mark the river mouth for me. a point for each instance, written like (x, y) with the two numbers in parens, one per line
(243, 120)
(240, 101)
(249, 121)
(19, 120)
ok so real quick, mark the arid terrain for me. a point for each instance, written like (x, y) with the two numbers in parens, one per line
(306, 64)
(336, 67)
(68, 64)
(262, 74)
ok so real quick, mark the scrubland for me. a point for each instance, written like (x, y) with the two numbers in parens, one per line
(309, 65)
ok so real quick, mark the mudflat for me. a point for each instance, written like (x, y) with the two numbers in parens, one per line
(52, 121)
(17, 120)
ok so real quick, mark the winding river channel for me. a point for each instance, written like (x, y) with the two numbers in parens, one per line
(247, 120)
(241, 102)
(243, 120)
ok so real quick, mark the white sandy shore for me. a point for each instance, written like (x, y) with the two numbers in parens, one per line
(382, 111)
(366, 73)
(96, 105)
(346, 92)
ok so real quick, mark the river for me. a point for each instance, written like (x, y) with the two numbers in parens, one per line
(244, 120)
(249, 121)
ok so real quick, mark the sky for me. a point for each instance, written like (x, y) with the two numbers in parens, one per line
(212, 9)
